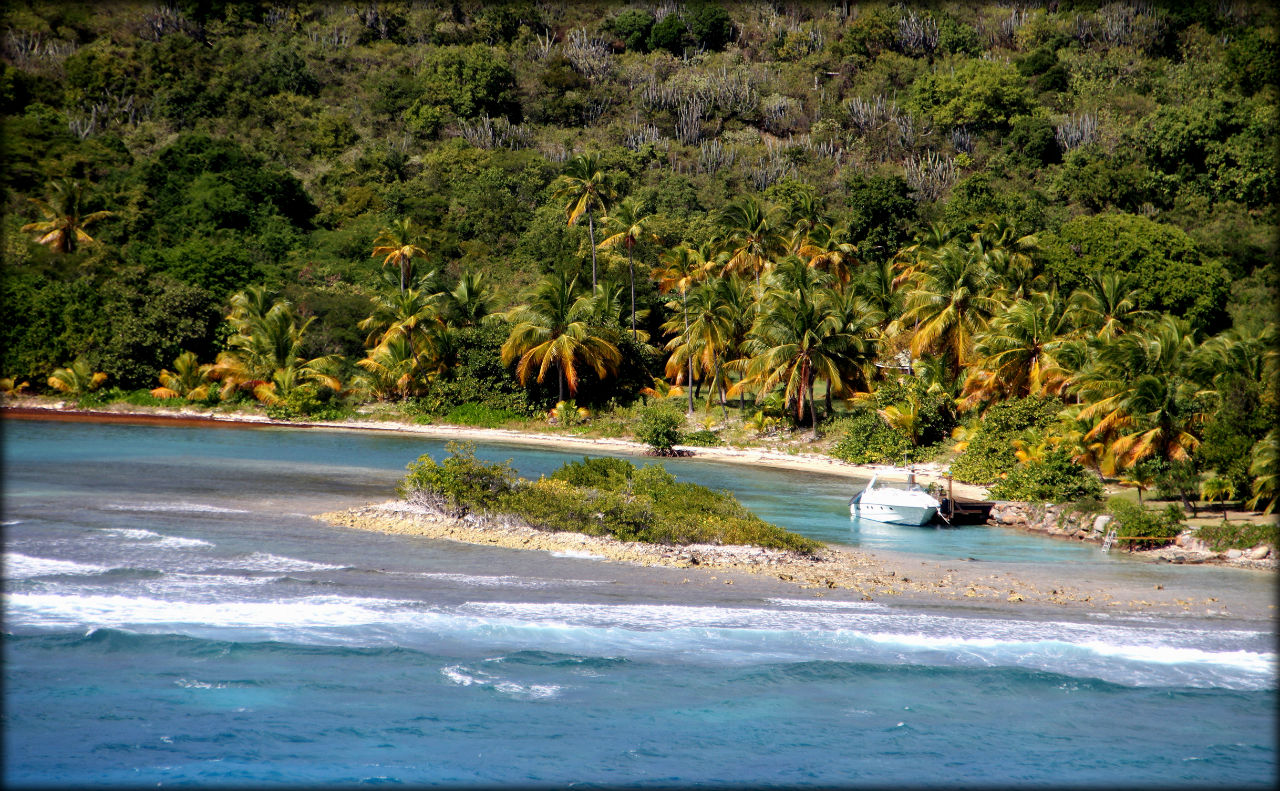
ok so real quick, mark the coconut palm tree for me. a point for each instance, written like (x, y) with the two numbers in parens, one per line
(266, 344)
(409, 313)
(77, 378)
(400, 243)
(554, 331)
(63, 226)
(1107, 305)
(469, 302)
(1139, 396)
(680, 269)
(951, 300)
(628, 222)
(708, 331)
(827, 247)
(1016, 356)
(1007, 254)
(1265, 469)
(189, 379)
(9, 388)
(394, 369)
(797, 339)
(1220, 489)
(751, 234)
(583, 187)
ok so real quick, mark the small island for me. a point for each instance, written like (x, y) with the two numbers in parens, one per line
(608, 509)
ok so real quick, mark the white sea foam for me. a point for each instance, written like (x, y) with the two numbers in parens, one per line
(168, 542)
(265, 561)
(1121, 654)
(117, 611)
(866, 606)
(467, 677)
(18, 566)
(173, 508)
(503, 581)
(190, 683)
(10, 522)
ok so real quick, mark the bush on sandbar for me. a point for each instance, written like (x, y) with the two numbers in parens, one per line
(601, 497)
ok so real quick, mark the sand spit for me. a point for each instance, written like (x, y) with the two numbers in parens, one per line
(868, 576)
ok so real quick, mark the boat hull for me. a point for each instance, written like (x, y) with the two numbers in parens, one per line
(894, 514)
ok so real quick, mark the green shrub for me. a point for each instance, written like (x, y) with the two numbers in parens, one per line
(458, 485)
(866, 439)
(703, 438)
(596, 496)
(116, 395)
(1239, 535)
(1054, 479)
(305, 404)
(659, 427)
(601, 472)
(1138, 528)
(990, 450)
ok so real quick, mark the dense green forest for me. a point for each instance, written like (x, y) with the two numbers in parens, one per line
(1042, 234)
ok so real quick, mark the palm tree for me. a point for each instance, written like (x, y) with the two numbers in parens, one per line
(583, 185)
(553, 331)
(1265, 469)
(400, 242)
(951, 300)
(828, 248)
(1107, 305)
(189, 379)
(1016, 356)
(1007, 254)
(1138, 393)
(910, 260)
(410, 313)
(751, 235)
(708, 331)
(1220, 489)
(469, 302)
(797, 339)
(628, 222)
(393, 369)
(266, 344)
(680, 269)
(9, 388)
(63, 226)
(77, 378)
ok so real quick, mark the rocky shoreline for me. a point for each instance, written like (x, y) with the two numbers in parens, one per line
(1061, 521)
(830, 571)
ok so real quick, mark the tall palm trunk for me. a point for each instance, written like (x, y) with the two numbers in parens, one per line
(631, 271)
(591, 229)
(684, 296)
(813, 408)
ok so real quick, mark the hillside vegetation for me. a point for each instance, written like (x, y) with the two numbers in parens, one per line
(1039, 235)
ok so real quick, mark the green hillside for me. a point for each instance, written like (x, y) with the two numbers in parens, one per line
(870, 221)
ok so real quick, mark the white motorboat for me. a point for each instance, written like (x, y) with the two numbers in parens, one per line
(907, 504)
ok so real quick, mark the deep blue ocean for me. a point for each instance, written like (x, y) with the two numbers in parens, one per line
(174, 616)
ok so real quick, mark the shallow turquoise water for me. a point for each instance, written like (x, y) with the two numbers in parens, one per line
(174, 615)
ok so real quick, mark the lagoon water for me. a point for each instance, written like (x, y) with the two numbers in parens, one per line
(173, 615)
